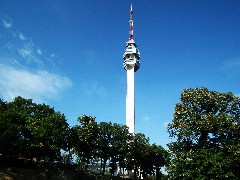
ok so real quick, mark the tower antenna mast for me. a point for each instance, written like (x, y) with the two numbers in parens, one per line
(131, 24)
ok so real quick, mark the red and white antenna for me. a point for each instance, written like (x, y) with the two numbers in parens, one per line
(131, 24)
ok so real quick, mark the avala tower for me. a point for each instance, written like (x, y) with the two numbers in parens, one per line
(131, 64)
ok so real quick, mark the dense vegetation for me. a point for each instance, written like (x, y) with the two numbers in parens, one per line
(29, 130)
(205, 133)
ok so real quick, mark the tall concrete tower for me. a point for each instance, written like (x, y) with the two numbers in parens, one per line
(131, 64)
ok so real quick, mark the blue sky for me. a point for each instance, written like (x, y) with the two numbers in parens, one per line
(68, 54)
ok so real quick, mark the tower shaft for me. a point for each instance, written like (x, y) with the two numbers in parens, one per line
(130, 101)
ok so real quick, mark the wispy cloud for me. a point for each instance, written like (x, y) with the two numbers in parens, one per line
(94, 89)
(91, 56)
(165, 124)
(6, 23)
(154, 119)
(40, 85)
(25, 70)
(26, 51)
(150, 118)
(146, 118)
(9, 46)
(53, 55)
(23, 47)
(39, 51)
(231, 66)
(21, 37)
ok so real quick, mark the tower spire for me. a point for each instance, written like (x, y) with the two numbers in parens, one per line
(131, 24)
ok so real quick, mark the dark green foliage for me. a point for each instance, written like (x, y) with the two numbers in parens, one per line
(84, 140)
(31, 130)
(104, 143)
(159, 157)
(206, 127)
(112, 144)
(120, 145)
(145, 157)
(136, 156)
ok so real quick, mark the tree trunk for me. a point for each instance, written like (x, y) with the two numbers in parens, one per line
(158, 174)
(135, 172)
(104, 166)
(86, 165)
(101, 166)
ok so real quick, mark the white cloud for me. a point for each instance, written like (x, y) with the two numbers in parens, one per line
(25, 69)
(6, 24)
(30, 53)
(36, 85)
(94, 88)
(146, 118)
(9, 46)
(25, 52)
(22, 37)
(165, 124)
(53, 55)
(20, 45)
(39, 51)
(231, 66)
(150, 118)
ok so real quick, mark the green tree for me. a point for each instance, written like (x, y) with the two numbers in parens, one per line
(138, 146)
(104, 143)
(48, 132)
(121, 137)
(207, 133)
(153, 157)
(13, 126)
(146, 161)
(159, 157)
(31, 130)
(112, 145)
(67, 156)
(84, 140)
(8, 131)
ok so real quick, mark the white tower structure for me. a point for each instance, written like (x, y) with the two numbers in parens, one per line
(131, 64)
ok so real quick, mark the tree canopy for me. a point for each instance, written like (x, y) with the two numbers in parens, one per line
(31, 130)
(113, 144)
(206, 131)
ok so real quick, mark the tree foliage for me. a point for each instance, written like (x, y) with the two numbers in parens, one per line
(120, 146)
(138, 148)
(84, 138)
(207, 133)
(104, 143)
(31, 130)
(112, 144)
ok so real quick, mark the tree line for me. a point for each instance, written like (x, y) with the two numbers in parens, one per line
(204, 132)
(29, 130)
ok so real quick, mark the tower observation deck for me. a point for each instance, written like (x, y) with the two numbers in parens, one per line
(131, 64)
